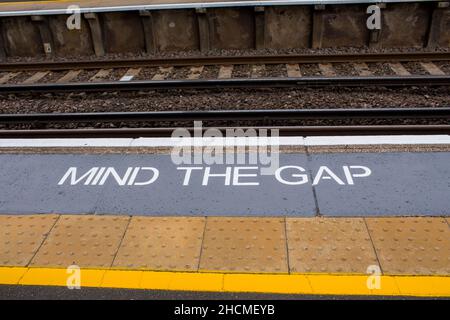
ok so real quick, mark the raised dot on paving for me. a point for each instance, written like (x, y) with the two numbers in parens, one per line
(86, 241)
(411, 245)
(328, 245)
(155, 243)
(21, 237)
(244, 245)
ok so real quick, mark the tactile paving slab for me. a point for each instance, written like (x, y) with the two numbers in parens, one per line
(21, 237)
(328, 245)
(86, 241)
(411, 245)
(244, 245)
(162, 244)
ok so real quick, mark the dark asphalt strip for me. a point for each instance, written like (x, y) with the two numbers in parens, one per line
(12, 292)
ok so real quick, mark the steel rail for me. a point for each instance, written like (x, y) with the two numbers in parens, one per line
(283, 131)
(229, 115)
(338, 81)
(225, 60)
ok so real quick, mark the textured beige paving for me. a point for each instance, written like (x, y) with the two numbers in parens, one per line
(21, 237)
(244, 245)
(329, 245)
(411, 245)
(86, 241)
(257, 245)
(162, 244)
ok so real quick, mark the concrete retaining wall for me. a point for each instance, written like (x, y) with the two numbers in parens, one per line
(424, 24)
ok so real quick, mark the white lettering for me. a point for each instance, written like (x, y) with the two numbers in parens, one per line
(72, 173)
(207, 175)
(303, 177)
(237, 175)
(331, 175)
(349, 176)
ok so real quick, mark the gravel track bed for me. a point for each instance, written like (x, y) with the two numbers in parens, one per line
(180, 73)
(114, 75)
(275, 70)
(444, 66)
(227, 99)
(210, 72)
(345, 69)
(241, 71)
(380, 69)
(85, 75)
(21, 77)
(53, 76)
(215, 52)
(146, 73)
(310, 70)
(415, 68)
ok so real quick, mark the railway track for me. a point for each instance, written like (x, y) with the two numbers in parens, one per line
(431, 69)
(225, 60)
(187, 117)
(229, 115)
(349, 70)
(384, 81)
(283, 131)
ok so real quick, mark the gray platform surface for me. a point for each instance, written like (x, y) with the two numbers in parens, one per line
(399, 184)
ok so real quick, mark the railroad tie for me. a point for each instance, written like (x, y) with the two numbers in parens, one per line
(293, 70)
(69, 76)
(225, 72)
(363, 69)
(130, 74)
(163, 73)
(9, 76)
(195, 72)
(432, 69)
(399, 69)
(103, 73)
(36, 77)
(327, 69)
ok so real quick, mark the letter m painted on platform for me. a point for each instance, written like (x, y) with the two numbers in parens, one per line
(72, 173)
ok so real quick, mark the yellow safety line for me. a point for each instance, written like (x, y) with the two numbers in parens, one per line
(323, 284)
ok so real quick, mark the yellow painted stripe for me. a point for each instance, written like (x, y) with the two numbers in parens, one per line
(267, 283)
(323, 284)
(11, 275)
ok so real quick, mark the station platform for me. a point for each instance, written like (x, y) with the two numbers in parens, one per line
(223, 243)
(326, 256)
